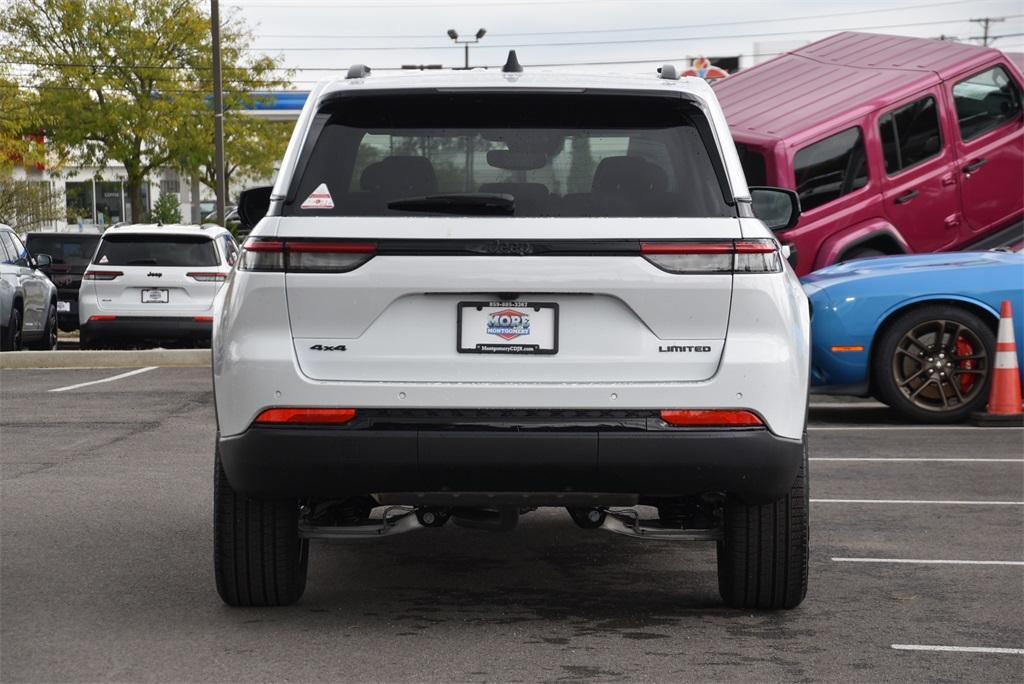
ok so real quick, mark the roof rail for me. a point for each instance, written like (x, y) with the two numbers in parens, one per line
(358, 71)
(512, 65)
(668, 71)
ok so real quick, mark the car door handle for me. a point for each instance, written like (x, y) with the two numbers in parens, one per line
(974, 166)
(906, 197)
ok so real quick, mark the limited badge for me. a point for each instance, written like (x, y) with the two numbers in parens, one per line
(319, 198)
(508, 324)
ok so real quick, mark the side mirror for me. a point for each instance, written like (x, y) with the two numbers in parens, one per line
(778, 208)
(253, 205)
(43, 261)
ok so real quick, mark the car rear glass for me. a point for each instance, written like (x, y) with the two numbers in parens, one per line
(567, 155)
(73, 250)
(156, 250)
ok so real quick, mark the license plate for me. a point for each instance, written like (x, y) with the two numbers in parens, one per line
(63, 307)
(507, 328)
(155, 296)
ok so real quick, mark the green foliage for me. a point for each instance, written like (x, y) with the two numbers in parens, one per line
(28, 205)
(130, 82)
(166, 210)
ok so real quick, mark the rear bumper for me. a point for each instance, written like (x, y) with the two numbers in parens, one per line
(568, 457)
(147, 328)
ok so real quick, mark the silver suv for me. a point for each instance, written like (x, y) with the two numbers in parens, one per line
(474, 294)
(28, 300)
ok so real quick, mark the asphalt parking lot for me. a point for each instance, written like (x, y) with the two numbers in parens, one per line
(107, 565)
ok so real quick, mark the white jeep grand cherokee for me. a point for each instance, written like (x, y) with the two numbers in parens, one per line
(471, 294)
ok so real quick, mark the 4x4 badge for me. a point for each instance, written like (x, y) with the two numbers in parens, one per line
(328, 347)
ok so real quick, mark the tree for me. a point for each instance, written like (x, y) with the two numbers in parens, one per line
(167, 209)
(18, 145)
(128, 80)
(29, 205)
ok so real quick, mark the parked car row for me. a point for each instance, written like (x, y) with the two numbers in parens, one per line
(135, 284)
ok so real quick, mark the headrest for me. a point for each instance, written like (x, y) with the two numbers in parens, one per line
(628, 174)
(400, 177)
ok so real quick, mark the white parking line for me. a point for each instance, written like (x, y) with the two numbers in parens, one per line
(925, 561)
(959, 649)
(919, 501)
(901, 459)
(110, 379)
(930, 428)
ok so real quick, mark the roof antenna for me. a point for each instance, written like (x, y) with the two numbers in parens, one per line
(357, 71)
(512, 65)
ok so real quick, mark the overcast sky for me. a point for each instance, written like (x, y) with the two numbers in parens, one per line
(332, 34)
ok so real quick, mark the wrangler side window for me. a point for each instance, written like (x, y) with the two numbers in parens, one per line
(910, 135)
(985, 101)
(828, 169)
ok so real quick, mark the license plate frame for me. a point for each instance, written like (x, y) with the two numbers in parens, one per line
(484, 344)
(163, 296)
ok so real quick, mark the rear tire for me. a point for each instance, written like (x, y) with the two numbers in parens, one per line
(258, 557)
(763, 557)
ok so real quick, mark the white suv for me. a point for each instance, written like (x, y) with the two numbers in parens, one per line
(154, 283)
(477, 293)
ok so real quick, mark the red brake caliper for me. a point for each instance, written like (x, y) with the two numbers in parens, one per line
(964, 348)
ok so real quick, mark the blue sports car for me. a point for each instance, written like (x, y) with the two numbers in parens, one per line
(916, 332)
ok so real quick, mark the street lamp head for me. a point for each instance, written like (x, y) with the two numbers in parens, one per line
(480, 33)
(453, 34)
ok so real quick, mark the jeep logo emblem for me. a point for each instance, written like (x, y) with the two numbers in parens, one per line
(151, 274)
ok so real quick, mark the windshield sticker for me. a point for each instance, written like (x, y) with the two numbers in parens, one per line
(104, 259)
(319, 198)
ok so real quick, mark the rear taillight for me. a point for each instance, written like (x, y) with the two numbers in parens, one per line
(203, 319)
(711, 418)
(302, 256)
(721, 256)
(306, 416)
(210, 277)
(100, 319)
(102, 275)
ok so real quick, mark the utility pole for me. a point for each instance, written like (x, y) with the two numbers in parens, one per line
(218, 113)
(985, 21)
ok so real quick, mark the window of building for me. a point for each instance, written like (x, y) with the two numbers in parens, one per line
(79, 201)
(828, 169)
(985, 101)
(170, 186)
(910, 135)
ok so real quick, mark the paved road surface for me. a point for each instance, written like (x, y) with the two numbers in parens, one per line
(106, 566)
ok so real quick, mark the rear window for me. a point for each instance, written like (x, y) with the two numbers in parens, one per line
(552, 155)
(910, 135)
(830, 168)
(753, 165)
(156, 250)
(73, 250)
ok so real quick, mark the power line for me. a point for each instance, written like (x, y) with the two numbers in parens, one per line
(614, 42)
(810, 17)
(985, 21)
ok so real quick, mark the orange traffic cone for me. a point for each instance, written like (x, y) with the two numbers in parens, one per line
(1004, 400)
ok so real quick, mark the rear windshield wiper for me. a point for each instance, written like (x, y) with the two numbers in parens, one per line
(476, 203)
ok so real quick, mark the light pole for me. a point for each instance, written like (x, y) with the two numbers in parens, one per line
(454, 35)
(218, 113)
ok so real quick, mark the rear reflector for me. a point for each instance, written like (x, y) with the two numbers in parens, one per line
(306, 416)
(711, 418)
(721, 256)
(211, 277)
(203, 319)
(93, 319)
(102, 275)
